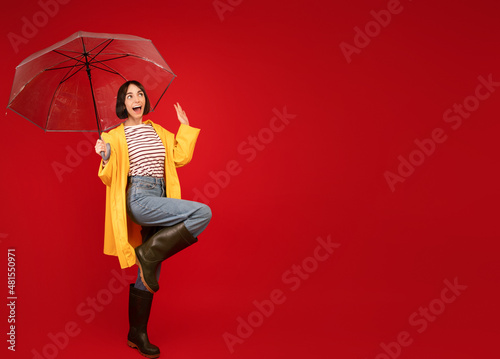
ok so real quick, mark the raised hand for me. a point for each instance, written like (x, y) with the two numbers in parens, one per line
(181, 114)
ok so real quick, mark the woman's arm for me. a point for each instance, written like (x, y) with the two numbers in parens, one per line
(184, 143)
(185, 139)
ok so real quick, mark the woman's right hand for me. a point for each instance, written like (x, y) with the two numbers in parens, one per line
(100, 146)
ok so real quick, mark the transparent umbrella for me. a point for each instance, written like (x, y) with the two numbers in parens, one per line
(72, 85)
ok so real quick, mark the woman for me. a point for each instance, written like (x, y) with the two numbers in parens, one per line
(143, 190)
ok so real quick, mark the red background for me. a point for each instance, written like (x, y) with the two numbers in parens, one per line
(322, 175)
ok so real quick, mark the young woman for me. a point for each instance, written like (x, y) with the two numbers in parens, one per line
(143, 190)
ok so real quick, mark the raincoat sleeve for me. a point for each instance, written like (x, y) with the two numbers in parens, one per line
(184, 143)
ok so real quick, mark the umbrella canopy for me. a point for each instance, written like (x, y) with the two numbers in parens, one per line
(72, 84)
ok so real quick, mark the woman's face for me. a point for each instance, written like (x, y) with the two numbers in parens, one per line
(135, 100)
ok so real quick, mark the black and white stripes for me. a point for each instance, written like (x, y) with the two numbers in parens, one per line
(145, 150)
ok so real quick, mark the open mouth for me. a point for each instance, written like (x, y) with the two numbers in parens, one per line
(137, 109)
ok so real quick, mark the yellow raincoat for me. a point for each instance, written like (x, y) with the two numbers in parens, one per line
(121, 234)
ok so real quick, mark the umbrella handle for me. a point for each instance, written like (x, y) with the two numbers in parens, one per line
(108, 150)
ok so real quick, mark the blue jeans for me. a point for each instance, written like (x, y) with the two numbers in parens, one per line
(148, 207)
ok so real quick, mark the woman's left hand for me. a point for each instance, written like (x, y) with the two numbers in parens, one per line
(181, 115)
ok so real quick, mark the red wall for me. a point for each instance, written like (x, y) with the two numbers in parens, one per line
(363, 224)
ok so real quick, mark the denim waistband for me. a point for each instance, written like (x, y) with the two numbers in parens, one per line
(154, 180)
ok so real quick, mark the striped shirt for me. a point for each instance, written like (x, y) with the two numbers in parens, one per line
(145, 150)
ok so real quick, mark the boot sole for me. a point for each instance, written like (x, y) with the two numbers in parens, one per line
(133, 346)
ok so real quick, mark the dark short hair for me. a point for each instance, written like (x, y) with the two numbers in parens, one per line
(121, 110)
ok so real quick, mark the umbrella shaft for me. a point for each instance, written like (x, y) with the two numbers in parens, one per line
(92, 91)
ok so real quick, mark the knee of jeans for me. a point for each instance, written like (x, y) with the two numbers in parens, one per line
(206, 213)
